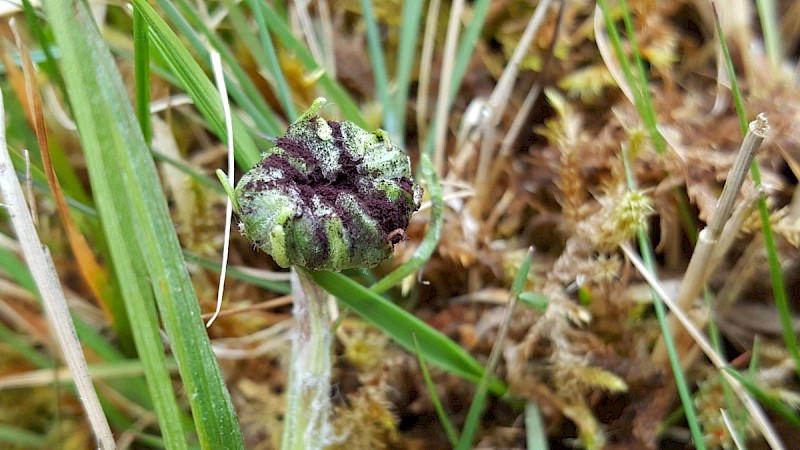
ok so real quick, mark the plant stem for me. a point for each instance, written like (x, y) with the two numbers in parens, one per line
(306, 423)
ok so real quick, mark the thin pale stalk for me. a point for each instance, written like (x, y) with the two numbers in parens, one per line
(446, 77)
(759, 418)
(55, 304)
(498, 100)
(301, 8)
(426, 59)
(379, 69)
(274, 66)
(699, 268)
(770, 28)
(407, 47)
(465, 48)
(775, 270)
(306, 423)
(661, 314)
(535, 432)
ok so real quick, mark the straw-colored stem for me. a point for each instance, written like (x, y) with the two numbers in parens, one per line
(446, 75)
(700, 268)
(306, 416)
(53, 300)
(760, 419)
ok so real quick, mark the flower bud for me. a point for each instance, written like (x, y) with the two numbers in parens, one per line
(328, 196)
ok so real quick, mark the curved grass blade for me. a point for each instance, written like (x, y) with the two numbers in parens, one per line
(767, 400)
(465, 48)
(402, 326)
(378, 63)
(775, 270)
(272, 63)
(196, 84)
(257, 107)
(452, 434)
(406, 53)
(334, 91)
(273, 286)
(141, 236)
(428, 244)
(472, 422)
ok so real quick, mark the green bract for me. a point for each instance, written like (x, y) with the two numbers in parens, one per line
(328, 196)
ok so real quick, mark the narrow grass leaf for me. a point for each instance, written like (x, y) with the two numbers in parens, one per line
(646, 108)
(196, 84)
(452, 434)
(273, 286)
(95, 277)
(333, 90)
(646, 249)
(638, 84)
(142, 241)
(379, 69)
(428, 244)
(535, 433)
(49, 65)
(21, 437)
(406, 52)
(249, 96)
(472, 422)
(770, 28)
(766, 399)
(402, 326)
(272, 62)
(790, 339)
(141, 68)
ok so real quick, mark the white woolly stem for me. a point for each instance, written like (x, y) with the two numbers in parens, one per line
(306, 420)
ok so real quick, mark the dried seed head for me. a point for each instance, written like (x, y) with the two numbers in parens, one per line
(328, 196)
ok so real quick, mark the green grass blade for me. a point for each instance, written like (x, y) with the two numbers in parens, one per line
(472, 422)
(49, 64)
(197, 84)
(770, 28)
(682, 386)
(272, 63)
(646, 109)
(142, 241)
(333, 90)
(258, 109)
(766, 399)
(141, 64)
(452, 434)
(428, 244)
(402, 326)
(535, 433)
(465, 48)
(265, 124)
(273, 286)
(20, 437)
(407, 50)
(775, 272)
(379, 70)
(638, 84)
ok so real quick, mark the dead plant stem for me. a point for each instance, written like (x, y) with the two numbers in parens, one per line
(700, 268)
(53, 300)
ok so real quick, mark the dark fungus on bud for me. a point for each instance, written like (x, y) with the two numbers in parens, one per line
(328, 196)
